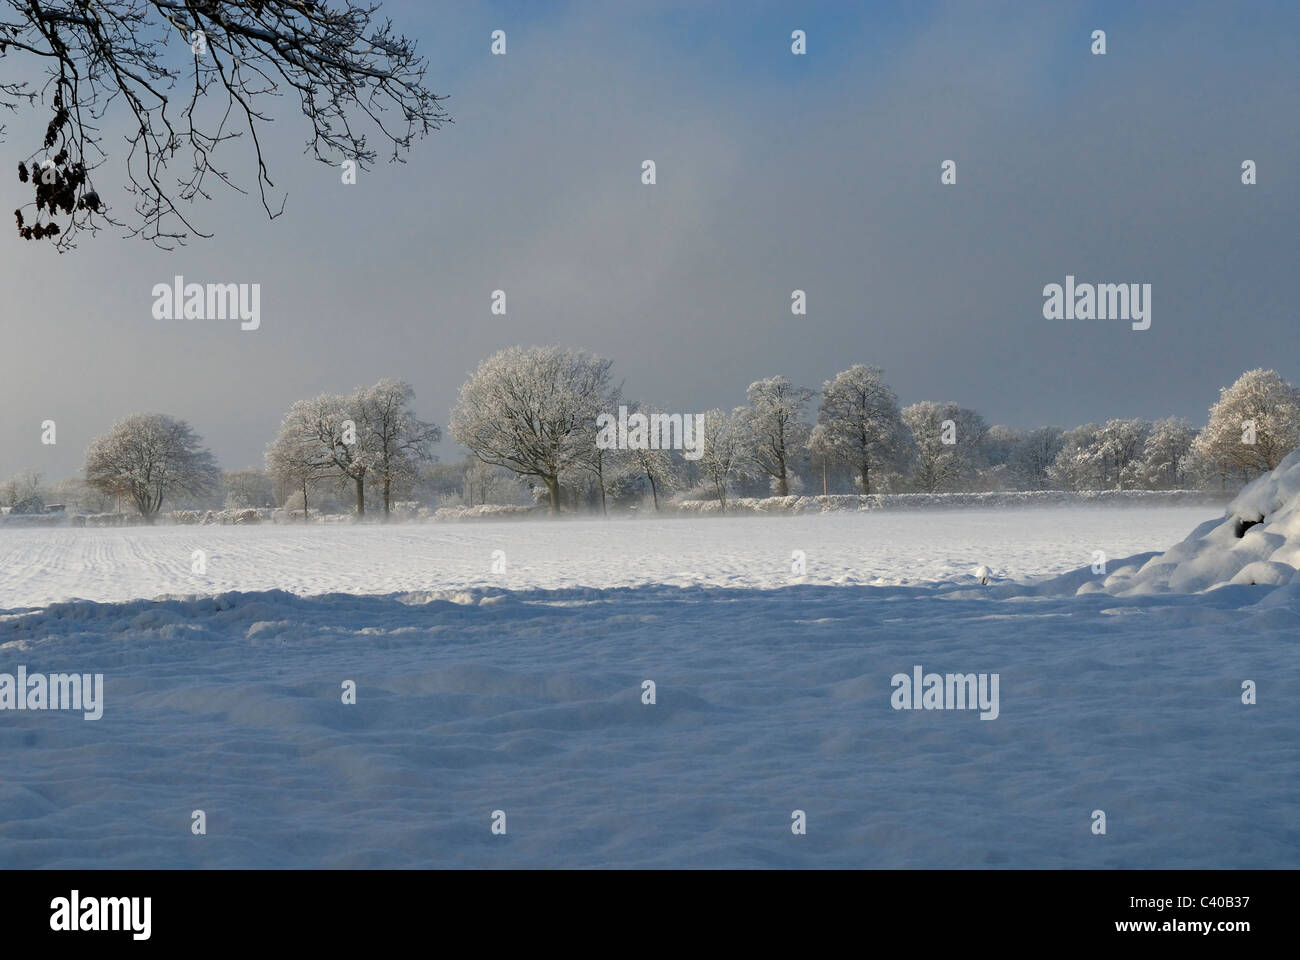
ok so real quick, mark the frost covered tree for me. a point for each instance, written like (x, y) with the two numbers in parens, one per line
(1075, 466)
(658, 466)
(724, 451)
(296, 459)
(247, 488)
(1254, 424)
(482, 484)
(775, 420)
(526, 409)
(1165, 454)
(396, 438)
(1032, 458)
(659, 470)
(605, 475)
(1105, 457)
(949, 445)
(78, 496)
(1000, 443)
(182, 83)
(1119, 446)
(342, 443)
(822, 452)
(323, 438)
(149, 457)
(370, 433)
(22, 493)
(861, 423)
(606, 468)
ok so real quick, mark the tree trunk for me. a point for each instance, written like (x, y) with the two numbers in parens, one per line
(388, 487)
(653, 492)
(824, 478)
(361, 496)
(553, 488)
(782, 484)
(866, 481)
(304, 502)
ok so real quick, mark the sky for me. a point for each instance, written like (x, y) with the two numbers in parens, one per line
(775, 172)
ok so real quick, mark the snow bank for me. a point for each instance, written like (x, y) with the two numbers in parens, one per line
(933, 501)
(1255, 543)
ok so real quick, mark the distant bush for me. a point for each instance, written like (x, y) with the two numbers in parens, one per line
(111, 519)
(243, 515)
(491, 511)
(939, 501)
(30, 504)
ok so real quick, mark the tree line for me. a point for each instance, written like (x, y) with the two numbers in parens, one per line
(533, 411)
(529, 417)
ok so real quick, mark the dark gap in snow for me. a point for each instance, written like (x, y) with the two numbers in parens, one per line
(1241, 525)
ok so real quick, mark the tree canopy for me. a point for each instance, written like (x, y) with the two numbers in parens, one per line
(180, 79)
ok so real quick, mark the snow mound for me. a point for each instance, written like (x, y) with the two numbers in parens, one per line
(1257, 542)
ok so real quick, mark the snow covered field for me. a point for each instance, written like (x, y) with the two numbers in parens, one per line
(522, 693)
(44, 566)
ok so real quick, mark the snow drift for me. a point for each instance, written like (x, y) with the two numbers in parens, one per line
(1256, 542)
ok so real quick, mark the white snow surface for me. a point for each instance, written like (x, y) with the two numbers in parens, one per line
(523, 693)
(44, 566)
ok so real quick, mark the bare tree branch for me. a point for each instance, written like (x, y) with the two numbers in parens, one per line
(185, 77)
